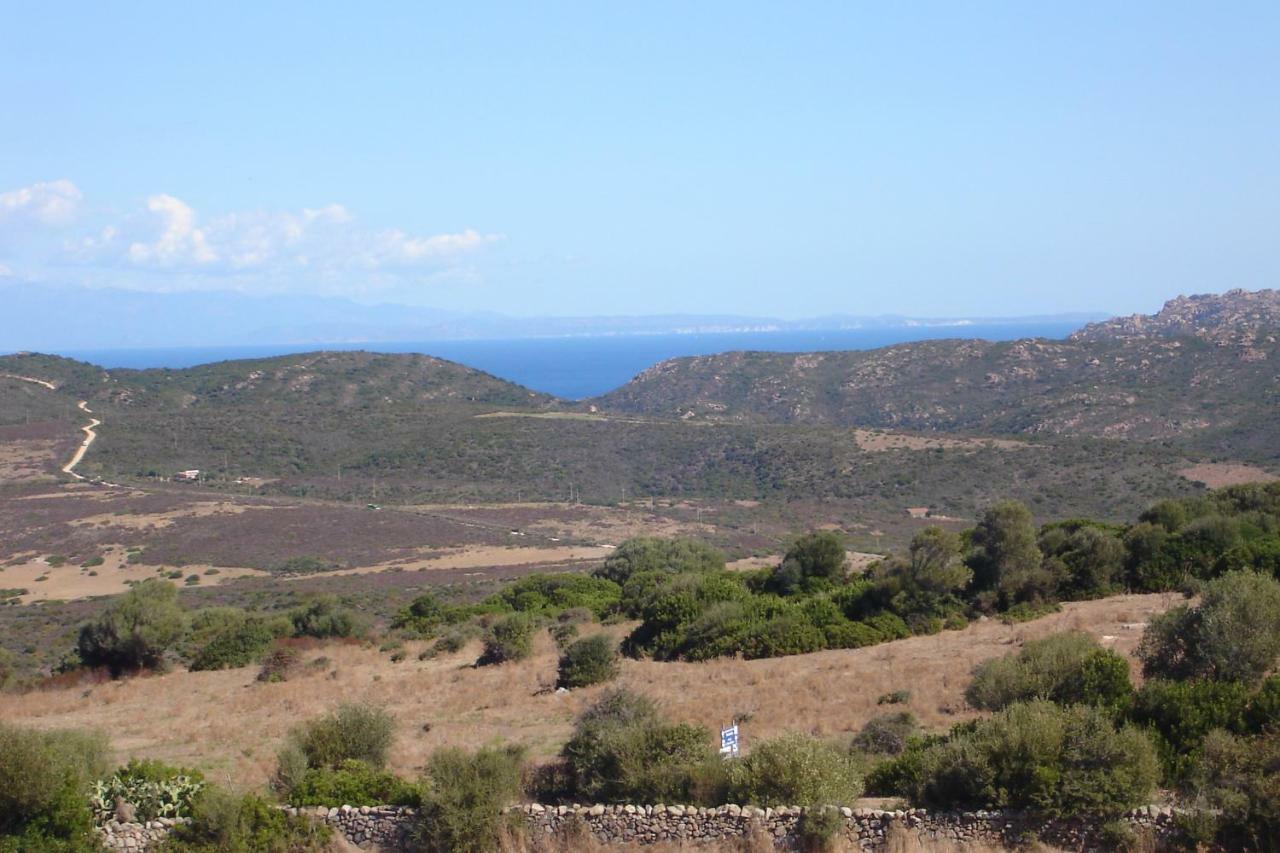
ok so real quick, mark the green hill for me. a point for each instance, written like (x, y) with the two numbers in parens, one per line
(1202, 372)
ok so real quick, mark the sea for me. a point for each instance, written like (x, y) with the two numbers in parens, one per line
(577, 367)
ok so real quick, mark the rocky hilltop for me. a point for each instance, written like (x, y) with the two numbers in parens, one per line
(1235, 317)
(1202, 371)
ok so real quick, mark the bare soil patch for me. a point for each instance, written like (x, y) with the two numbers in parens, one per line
(232, 725)
(485, 557)
(879, 441)
(1216, 475)
(114, 575)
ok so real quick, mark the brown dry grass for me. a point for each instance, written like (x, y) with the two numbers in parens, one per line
(230, 724)
(69, 582)
(1216, 475)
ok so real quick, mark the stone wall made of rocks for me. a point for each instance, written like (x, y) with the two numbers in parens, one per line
(386, 827)
(868, 828)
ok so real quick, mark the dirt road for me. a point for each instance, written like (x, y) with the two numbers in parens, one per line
(89, 436)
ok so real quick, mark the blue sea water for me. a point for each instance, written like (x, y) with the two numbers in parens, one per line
(578, 367)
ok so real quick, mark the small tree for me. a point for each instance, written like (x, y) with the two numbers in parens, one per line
(1005, 558)
(508, 639)
(591, 660)
(1233, 634)
(817, 559)
(136, 630)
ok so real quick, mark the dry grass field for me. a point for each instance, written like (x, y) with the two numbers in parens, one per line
(1216, 475)
(231, 725)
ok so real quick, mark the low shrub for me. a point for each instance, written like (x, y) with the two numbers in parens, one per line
(352, 783)
(350, 732)
(652, 554)
(45, 781)
(279, 663)
(1183, 713)
(591, 660)
(228, 823)
(1065, 668)
(1038, 756)
(623, 750)
(508, 639)
(464, 794)
(550, 594)
(886, 734)
(323, 617)
(239, 643)
(795, 768)
(820, 828)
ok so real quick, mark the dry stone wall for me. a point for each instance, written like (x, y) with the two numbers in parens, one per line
(386, 827)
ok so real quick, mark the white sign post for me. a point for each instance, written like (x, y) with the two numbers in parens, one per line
(729, 740)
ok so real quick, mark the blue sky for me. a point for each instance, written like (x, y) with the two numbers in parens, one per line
(773, 159)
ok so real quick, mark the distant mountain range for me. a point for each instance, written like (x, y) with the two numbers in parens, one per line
(49, 317)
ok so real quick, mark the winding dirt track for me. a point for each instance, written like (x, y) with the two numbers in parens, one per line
(89, 436)
(88, 429)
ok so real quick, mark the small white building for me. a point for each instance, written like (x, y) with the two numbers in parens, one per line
(191, 475)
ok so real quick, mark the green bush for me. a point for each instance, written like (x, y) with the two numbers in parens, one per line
(228, 823)
(423, 616)
(323, 617)
(1182, 713)
(591, 660)
(1065, 668)
(549, 594)
(1038, 756)
(135, 630)
(1233, 634)
(622, 750)
(352, 783)
(652, 554)
(239, 643)
(820, 829)
(815, 561)
(350, 732)
(795, 769)
(45, 783)
(508, 639)
(8, 668)
(886, 734)
(463, 799)
(1235, 782)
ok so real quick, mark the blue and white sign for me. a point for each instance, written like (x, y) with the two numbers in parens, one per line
(729, 740)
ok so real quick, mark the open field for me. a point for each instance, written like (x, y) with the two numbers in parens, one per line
(231, 724)
(1215, 475)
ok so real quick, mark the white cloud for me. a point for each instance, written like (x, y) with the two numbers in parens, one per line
(180, 242)
(5, 272)
(313, 248)
(46, 202)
